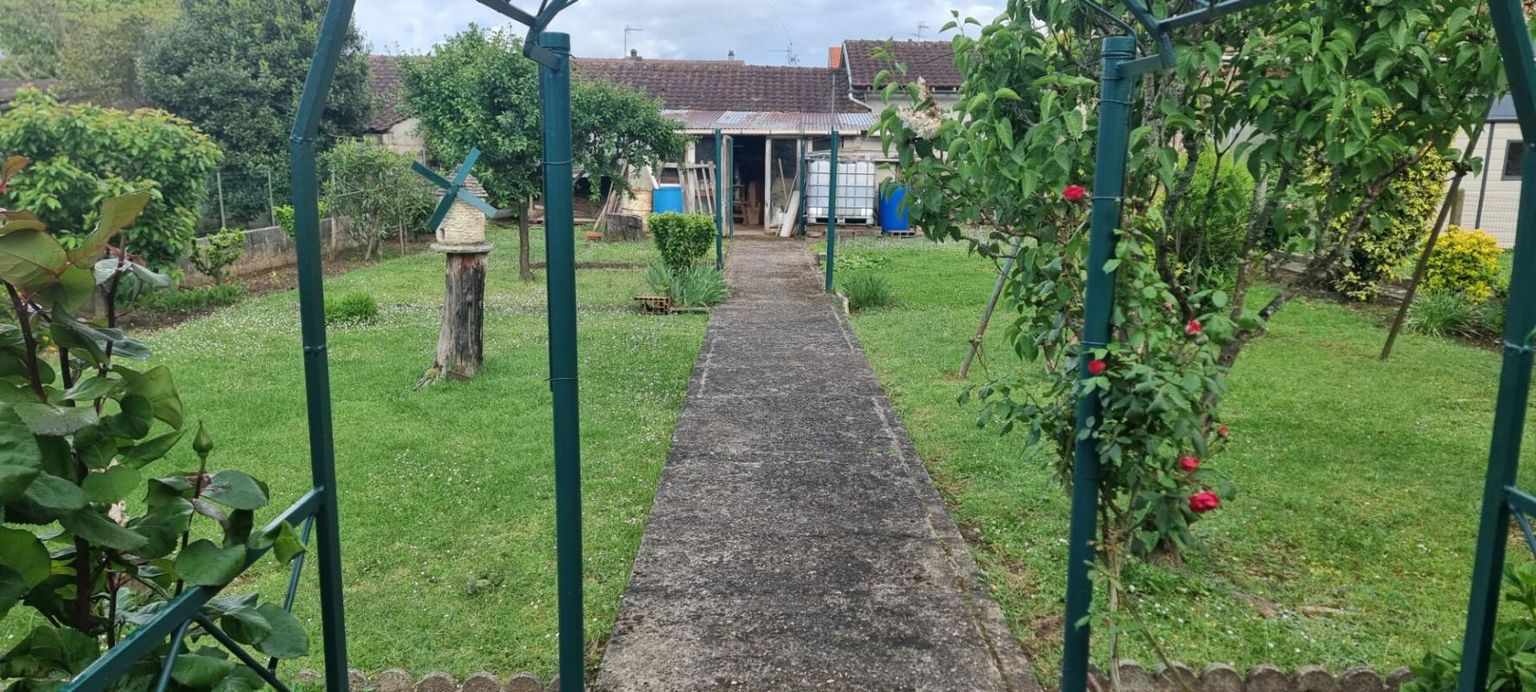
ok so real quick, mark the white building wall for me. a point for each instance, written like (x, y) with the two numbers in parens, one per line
(404, 138)
(1499, 194)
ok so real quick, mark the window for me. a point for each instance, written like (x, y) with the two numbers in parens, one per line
(1514, 159)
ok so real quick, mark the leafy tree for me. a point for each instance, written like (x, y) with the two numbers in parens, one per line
(373, 193)
(236, 68)
(1325, 104)
(30, 33)
(477, 90)
(84, 154)
(93, 46)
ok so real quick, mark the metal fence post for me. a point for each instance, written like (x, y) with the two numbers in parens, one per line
(1099, 300)
(560, 249)
(805, 172)
(218, 179)
(832, 214)
(719, 201)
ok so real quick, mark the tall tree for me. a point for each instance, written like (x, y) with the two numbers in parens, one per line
(93, 46)
(477, 90)
(236, 68)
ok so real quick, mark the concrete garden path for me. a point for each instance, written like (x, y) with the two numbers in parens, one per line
(796, 541)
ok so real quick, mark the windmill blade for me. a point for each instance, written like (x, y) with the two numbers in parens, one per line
(477, 203)
(431, 175)
(441, 213)
(469, 162)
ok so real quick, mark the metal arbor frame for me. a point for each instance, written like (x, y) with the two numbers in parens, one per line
(318, 507)
(1501, 499)
(1121, 67)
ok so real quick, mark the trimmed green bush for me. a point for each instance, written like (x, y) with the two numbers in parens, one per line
(351, 309)
(682, 238)
(213, 259)
(1465, 261)
(866, 291)
(1212, 221)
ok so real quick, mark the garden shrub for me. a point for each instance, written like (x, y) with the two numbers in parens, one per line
(1513, 663)
(283, 216)
(351, 309)
(697, 286)
(191, 299)
(84, 154)
(1211, 224)
(682, 238)
(866, 290)
(374, 193)
(81, 425)
(213, 258)
(1398, 222)
(1464, 261)
(1448, 313)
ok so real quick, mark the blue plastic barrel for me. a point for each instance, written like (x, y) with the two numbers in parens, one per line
(892, 217)
(667, 198)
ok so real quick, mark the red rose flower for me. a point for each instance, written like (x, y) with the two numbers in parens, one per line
(1193, 328)
(1223, 431)
(1097, 367)
(1075, 193)
(1189, 462)
(1203, 501)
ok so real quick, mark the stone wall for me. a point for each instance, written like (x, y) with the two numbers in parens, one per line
(267, 249)
(1221, 678)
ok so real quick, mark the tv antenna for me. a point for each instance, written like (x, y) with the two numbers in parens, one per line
(627, 31)
(790, 57)
(922, 28)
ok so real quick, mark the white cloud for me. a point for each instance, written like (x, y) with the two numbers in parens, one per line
(759, 31)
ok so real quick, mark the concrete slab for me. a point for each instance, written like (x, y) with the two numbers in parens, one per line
(796, 541)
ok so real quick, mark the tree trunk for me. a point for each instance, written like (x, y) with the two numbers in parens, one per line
(461, 344)
(524, 254)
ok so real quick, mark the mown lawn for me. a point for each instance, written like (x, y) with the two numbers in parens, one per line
(447, 502)
(1350, 543)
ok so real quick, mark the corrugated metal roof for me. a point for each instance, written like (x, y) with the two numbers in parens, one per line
(750, 122)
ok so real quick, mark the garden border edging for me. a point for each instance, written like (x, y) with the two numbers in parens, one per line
(397, 680)
(1261, 678)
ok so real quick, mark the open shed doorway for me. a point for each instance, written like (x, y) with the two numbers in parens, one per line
(767, 175)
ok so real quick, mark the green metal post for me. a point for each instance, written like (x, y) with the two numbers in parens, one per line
(1515, 380)
(560, 251)
(719, 201)
(730, 186)
(1099, 300)
(317, 377)
(805, 172)
(832, 214)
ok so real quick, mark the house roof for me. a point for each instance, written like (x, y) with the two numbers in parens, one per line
(765, 123)
(387, 85)
(934, 61)
(727, 85)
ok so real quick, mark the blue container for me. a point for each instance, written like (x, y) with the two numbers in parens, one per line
(667, 198)
(893, 218)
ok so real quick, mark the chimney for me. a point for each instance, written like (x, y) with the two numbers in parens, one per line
(731, 56)
(634, 54)
(835, 57)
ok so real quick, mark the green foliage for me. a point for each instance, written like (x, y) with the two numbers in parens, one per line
(85, 154)
(93, 46)
(477, 90)
(682, 238)
(695, 286)
(79, 436)
(1512, 665)
(868, 290)
(1464, 261)
(1450, 313)
(1208, 230)
(1398, 222)
(353, 308)
(859, 261)
(283, 216)
(374, 193)
(191, 299)
(236, 69)
(213, 257)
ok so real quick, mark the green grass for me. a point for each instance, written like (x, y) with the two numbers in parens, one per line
(447, 486)
(1350, 542)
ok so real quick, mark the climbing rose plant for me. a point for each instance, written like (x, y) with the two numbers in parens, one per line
(80, 429)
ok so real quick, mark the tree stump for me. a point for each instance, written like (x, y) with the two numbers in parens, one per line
(461, 343)
(624, 227)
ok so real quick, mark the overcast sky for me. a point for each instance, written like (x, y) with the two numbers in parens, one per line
(758, 30)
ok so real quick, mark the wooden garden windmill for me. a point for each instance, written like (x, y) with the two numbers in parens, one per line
(459, 226)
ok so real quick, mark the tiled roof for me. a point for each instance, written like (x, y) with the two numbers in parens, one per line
(744, 122)
(727, 85)
(387, 85)
(934, 61)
